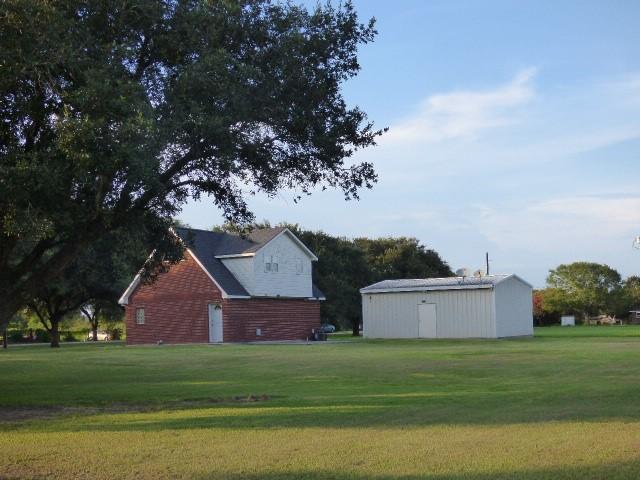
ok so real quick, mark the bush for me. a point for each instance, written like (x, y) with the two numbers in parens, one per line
(15, 336)
(115, 334)
(43, 336)
(69, 337)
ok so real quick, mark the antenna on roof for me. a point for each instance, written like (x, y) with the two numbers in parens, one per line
(487, 260)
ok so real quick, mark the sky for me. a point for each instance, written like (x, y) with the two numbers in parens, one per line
(514, 129)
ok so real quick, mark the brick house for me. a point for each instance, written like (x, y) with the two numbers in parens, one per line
(228, 289)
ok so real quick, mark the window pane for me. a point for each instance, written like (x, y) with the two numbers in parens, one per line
(140, 316)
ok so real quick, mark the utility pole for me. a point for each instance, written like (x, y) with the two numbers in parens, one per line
(487, 260)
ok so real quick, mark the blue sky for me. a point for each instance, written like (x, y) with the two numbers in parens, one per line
(514, 128)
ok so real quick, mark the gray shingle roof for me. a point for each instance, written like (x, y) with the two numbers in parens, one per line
(425, 284)
(207, 245)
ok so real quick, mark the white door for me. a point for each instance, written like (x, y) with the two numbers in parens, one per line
(215, 323)
(427, 320)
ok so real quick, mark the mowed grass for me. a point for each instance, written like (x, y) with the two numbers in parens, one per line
(563, 405)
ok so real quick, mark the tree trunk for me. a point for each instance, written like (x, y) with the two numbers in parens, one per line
(55, 333)
(94, 331)
(355, 325)
(8, 308)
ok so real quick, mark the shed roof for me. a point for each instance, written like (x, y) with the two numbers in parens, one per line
(427, 284)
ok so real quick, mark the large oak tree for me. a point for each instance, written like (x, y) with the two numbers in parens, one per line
(114, 113)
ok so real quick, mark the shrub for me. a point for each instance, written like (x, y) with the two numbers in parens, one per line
(69, 337)
(43, 336)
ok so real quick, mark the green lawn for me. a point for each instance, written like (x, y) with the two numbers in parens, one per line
(563, 405)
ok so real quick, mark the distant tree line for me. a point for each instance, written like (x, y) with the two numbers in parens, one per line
(586, 290)
(345, 265)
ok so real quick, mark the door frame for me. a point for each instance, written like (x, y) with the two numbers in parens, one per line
(212, 308)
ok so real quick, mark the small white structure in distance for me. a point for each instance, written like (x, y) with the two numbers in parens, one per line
(568, 321)
(491, 306)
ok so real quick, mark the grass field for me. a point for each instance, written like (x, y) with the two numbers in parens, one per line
(563, 405)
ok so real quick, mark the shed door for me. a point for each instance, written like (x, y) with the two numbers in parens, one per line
(215, 323)
(427, 321)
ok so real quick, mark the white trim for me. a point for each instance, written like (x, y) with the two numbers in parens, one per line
(365, 291)
(124, 298)
(513, 275)
(224, 294)
(236, 255)
(302, 246)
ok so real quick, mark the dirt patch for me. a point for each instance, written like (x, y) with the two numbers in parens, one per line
(23, 414)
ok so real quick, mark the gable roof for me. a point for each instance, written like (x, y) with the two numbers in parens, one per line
(223, 244)
(207, 248)
(204, 246)
(427, 284)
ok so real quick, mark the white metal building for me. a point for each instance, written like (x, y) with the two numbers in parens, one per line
(492, 306)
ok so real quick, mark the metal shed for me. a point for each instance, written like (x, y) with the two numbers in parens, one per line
(491, 306)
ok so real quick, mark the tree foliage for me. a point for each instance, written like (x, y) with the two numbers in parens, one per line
(92, 283)
(401, 257)
(583, 288)
(342, 269)
(113, 114)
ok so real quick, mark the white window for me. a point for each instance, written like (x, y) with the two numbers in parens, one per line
(270, 263)
(140, 316)
(298, 266)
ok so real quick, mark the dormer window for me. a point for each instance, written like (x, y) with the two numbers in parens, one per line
(270, 263)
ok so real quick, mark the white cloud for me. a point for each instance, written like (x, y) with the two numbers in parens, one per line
(464, 114)
(564, 224)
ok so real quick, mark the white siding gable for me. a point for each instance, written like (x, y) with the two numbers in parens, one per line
(242, 269)
(280, 268)
(293, 275)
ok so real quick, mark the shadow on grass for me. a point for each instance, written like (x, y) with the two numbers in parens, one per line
(609, 471)
(264, 416)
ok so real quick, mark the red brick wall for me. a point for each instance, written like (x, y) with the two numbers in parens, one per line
(279, 319)
(176, 309)
(176, 306)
